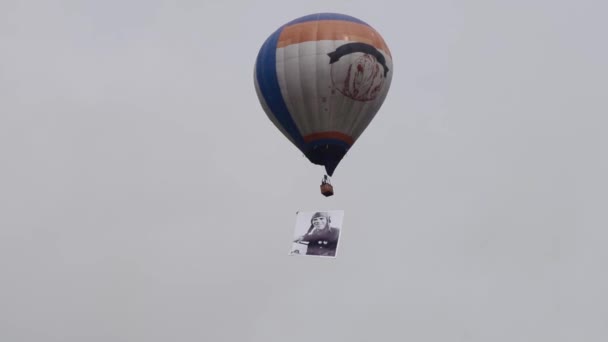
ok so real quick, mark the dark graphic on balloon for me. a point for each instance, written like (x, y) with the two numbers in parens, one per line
(361, 73)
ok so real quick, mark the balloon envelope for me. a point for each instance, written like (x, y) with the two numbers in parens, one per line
(321, 79)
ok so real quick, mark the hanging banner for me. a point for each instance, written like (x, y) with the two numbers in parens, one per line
(317, 233)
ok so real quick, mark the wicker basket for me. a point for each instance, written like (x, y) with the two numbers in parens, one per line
(327, 190)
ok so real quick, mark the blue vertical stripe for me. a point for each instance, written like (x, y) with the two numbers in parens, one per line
(266, 73)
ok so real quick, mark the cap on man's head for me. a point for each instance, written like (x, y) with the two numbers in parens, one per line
(319, 214)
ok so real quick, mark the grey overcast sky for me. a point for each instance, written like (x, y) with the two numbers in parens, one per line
(145, 195)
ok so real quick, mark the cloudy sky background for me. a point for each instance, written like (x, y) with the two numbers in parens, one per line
(145, 196)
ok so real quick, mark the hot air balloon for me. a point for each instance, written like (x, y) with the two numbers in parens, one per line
(321, 79)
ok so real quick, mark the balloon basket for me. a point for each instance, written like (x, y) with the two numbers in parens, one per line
(327, 190)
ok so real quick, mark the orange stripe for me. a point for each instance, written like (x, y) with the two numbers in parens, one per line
(331, 30)
(329, 135)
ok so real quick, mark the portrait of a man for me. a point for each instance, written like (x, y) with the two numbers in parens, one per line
(317, 233)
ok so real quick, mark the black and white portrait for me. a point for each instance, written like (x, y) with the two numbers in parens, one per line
(317, 233)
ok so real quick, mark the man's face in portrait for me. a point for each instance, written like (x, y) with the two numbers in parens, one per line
(319, 222)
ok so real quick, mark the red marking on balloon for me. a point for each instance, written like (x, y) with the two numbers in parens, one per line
(363, 79)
